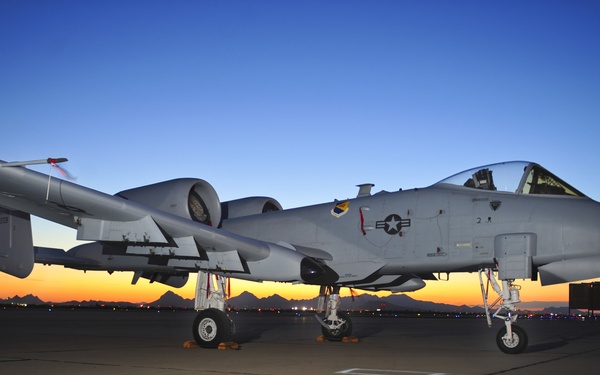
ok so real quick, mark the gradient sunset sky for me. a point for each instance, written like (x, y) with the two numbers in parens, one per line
(300, 101)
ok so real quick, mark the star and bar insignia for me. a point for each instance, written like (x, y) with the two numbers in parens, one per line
(392, 224)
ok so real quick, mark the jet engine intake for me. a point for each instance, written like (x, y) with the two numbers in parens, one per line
(190, 198)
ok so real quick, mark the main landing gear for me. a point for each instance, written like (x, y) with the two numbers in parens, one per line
(212, 326)
(511, 339)
(335, 325)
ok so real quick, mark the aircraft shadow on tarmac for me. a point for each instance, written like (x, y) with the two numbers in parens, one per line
(253, 327)
(560, 341)
(247, 335)
(547, 346)
(368, 330)
(250, 328)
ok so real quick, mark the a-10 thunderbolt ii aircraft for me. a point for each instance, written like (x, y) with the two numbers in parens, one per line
(507, 221)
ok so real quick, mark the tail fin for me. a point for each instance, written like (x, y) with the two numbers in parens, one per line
(16, 243)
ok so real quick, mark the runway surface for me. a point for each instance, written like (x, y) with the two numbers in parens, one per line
(34, 340)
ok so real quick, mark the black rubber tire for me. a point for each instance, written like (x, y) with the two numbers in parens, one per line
(518, 344)
(344, 331)
(212, 327)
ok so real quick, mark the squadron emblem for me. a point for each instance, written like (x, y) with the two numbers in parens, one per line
(340, 209)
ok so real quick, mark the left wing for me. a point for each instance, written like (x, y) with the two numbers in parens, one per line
(147, 223)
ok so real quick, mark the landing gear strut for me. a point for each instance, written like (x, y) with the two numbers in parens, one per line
(511, 339)
(335, 325)
(212, 326)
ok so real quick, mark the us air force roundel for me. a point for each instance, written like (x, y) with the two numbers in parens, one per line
(392, 224)
(340, 209)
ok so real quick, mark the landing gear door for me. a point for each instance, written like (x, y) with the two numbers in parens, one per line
(514, 252)
(16, 243)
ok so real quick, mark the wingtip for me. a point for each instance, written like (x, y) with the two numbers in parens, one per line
(56, 160)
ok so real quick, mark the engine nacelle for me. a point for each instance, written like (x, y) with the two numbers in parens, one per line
(249, 206)
(190, 198)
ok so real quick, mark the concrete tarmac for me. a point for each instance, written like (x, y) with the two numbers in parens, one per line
(35, 340)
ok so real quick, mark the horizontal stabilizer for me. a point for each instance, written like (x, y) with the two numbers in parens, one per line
(16, 243)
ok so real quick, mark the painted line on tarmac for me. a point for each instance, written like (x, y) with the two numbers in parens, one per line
(2, 359)
(366, 371)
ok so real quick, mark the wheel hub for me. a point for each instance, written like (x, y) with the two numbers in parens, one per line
(207, 329)
(511, 342)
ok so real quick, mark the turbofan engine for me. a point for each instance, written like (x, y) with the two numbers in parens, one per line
(249, 206)
(190, 198)
(197, 200)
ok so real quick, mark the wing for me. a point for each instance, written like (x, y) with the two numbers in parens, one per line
(127, 228)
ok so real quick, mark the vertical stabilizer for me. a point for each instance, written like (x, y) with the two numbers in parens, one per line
(16, 243)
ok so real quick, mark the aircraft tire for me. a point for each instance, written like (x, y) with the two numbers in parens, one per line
(514, 346)
(212, 327)
(338, 334)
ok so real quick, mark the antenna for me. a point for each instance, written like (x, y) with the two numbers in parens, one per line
(364, 190)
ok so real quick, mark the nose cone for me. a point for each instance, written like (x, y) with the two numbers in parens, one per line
(312, 272)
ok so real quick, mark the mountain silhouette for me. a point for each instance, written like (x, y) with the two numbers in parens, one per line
(29, 299)
(401, 302)
(247, 300)
(172, 300)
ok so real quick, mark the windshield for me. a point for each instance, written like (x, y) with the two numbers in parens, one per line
(519, 177)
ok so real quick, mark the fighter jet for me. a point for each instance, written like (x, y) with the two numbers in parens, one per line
(507, 221)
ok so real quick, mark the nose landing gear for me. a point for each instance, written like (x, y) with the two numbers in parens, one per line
(511, 339)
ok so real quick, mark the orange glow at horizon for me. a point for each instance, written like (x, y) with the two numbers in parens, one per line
(58, 284)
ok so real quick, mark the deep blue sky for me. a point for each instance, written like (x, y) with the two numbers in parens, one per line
(300, 100)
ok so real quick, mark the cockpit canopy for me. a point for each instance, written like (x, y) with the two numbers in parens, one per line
(519, 177)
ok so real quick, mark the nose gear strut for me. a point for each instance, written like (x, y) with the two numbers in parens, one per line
(511, 339)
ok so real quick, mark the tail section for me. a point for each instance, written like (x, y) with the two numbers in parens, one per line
(16, 243)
